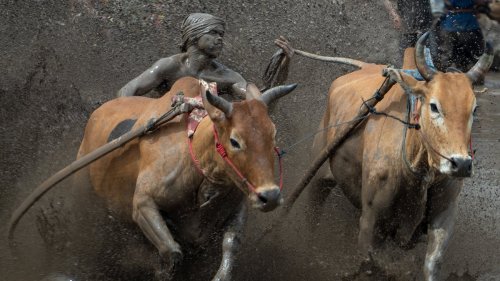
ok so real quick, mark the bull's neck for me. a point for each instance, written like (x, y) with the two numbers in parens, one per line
(204, 151)
(412, 149)
(415, 154)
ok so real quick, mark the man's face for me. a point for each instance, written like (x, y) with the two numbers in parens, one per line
(211, 43)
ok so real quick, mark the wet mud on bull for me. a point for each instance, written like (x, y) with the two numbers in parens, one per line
(198, 195)
(62, 59)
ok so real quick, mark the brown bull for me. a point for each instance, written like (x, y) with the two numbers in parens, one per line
(156, 172)
(404, 180)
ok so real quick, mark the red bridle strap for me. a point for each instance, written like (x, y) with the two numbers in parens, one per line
(223, 153)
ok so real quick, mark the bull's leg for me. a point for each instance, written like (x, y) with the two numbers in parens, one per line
(318, 192)
(149, 219)
(376, 199)
(366, 229)
(231, 244)
(410, 217)
(442, 212)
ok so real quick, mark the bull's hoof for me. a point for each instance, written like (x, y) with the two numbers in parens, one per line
(163, 275)
(172, 261)
(222, 277)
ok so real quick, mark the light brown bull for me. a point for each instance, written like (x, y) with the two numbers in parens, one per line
(156, 173)
(403, 179)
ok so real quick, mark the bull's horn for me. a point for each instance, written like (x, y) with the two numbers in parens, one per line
(220, 103)
(277, 92)
(482, 65)
(425, 70)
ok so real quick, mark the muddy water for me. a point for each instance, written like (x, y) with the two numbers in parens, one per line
(66, 240)
(88, 243)
(62, 59)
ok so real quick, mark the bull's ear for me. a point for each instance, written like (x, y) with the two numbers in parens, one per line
(217, 108)
(417, 87)
(253, 92)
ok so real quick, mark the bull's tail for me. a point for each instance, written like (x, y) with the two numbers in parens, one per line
(341, 60)
(277, 69)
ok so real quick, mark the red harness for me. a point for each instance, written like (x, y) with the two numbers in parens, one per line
(223, 153)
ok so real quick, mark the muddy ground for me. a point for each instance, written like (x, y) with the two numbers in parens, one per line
(61, 59)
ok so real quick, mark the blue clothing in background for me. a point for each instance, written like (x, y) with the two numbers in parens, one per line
(460, 21)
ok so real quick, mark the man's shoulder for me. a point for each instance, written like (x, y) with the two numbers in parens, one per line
(168, 63)
(176, 59)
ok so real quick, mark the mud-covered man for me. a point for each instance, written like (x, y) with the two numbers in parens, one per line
(202, 42)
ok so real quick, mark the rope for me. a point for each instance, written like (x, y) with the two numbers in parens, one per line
(378, 96)
(341, 60)
(309, 136)
(373, 111)
(403, 143)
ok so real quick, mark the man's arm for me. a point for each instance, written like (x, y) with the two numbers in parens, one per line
(147, 80)
(241, 84)
(227, 80)
(277, 70)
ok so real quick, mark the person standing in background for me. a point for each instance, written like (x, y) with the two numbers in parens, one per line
(457, 40)
(413, 18)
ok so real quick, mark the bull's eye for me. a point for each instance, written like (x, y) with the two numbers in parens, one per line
(234, 143)
(434, 108)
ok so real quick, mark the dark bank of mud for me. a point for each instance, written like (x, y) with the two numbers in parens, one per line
(62, 59)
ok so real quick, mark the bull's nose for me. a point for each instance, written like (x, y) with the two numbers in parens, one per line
(269, 196)
(461, 167)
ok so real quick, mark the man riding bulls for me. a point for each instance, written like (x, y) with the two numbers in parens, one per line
(202, 41)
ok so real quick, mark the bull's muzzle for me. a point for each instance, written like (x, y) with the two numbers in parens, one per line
(267, 199)
(461, 166)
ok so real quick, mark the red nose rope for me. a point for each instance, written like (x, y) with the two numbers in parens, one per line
(223, 153)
